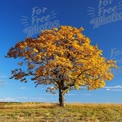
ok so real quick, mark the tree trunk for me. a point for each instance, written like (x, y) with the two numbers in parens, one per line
(61, 98)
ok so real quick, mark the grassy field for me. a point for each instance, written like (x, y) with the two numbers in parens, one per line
(50, 112)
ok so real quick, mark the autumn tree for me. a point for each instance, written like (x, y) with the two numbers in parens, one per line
(62, 58)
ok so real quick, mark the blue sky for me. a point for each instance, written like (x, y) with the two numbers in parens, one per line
(102, 22)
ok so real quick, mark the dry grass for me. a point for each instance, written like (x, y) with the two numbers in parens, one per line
(49, 112)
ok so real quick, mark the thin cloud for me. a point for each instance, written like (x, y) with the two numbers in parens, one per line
(66, 94)
(79, 94)
(71, 94)
(117, 90)
(49, 94)
(38, 99)
(114, 88)
(2, 83)
(108, 89)
(24, 98)
(4, 76)
(22, 88)
(87, 94)
(8, 99)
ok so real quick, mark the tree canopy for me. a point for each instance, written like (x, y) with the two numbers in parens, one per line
(64, 58)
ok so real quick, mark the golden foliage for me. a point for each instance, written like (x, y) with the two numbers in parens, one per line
(64, 57)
